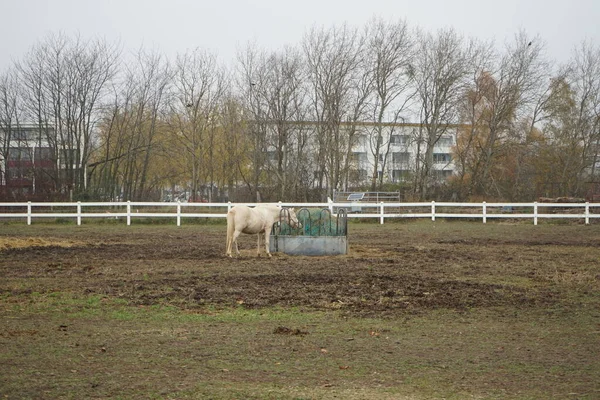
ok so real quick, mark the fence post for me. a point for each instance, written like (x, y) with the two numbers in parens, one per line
(78, 213)
(484, 212)
(535, 212)
(128, 212)
(228, 207)
(433, 211)
(178, 212)
(587, 212)
(28, 213)
(330, 204)
(381, 210)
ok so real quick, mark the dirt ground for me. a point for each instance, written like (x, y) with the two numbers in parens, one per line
(385, 274)
(393, 272)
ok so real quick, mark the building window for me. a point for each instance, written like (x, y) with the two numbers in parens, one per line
(358, 175)
(401, 140)
(359, 157)
(43, 153)
(401, 157)
(362, 140)
(15, 173)
(441, 157)
(442, 174)
(444, 141)
(399, 175)
(19, 154)
(24, 134)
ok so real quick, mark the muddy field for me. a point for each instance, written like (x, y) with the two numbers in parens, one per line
(396, 272)
(385, 274)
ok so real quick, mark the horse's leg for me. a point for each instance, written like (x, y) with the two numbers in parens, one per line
(267, 234)
(230, 231)
(234, 242)
(258, 246)
(228, 245)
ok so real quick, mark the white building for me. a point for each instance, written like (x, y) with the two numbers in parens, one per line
(401, 149)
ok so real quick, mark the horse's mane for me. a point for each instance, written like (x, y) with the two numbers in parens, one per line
(269, 205)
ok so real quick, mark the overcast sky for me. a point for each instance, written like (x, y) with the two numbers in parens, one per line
(173, 26)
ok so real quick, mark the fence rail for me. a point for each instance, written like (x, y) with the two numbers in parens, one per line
(382, 211)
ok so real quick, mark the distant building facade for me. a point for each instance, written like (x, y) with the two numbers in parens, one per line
(28, 164)
(401, 151)
(31, 166)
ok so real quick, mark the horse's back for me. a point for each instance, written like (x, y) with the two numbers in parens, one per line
(248, 220)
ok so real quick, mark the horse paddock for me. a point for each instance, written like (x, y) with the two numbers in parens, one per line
(415, 310)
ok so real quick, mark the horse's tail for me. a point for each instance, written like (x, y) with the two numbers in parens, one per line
(230, 230)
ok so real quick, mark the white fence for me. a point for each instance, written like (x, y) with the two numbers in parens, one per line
(133, 210)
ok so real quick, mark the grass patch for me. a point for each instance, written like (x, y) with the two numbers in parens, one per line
(103, 347)
(417, 310)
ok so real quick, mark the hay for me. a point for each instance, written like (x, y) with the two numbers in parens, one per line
(24, 242)
(315, 222)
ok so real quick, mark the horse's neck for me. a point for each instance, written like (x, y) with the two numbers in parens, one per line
(277, 214)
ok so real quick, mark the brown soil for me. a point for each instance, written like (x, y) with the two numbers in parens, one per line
(385, 274)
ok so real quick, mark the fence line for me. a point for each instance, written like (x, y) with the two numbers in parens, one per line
(355, 209)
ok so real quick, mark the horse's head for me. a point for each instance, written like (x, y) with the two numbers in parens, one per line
(292, 218)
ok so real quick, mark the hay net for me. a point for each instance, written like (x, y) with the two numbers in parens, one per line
(313, 222)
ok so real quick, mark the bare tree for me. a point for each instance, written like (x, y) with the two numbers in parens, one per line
(152, 78)
(389, 52)
(233, 147)
(440, 69)
(65, 79)
(105, 173)
(200, 86)
(33, 79)
(586, 83)
(252, 86)
(572, 125)
(10, 117)
(129, 140)
(284, 99)
(505, 92)
(338, 90)
(273, 90)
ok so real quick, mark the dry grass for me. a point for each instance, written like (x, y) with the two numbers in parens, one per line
(7, 242)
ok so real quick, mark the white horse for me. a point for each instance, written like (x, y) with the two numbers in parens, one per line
(260, 220)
